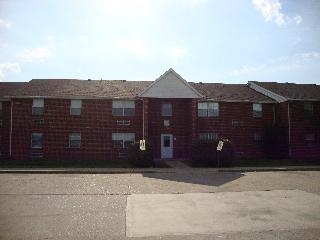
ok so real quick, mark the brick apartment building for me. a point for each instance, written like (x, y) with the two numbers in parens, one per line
(97, 119)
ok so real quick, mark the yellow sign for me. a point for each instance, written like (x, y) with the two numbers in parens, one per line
(142, 145)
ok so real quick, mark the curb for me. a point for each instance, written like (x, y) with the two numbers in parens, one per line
(154, 170)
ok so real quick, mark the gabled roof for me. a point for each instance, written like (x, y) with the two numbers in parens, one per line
(230, 92)
(282, 92)
(7, 88)
(170, 85)
(73, 88)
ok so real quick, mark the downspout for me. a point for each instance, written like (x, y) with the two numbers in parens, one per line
(10, 137)
(142, 119)
(289, 130)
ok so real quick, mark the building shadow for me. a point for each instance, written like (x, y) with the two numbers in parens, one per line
(202, 178)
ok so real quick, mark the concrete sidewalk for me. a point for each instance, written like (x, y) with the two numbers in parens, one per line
(156, 170)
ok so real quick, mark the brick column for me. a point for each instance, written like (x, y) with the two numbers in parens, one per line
(193, 122)
(145, 113)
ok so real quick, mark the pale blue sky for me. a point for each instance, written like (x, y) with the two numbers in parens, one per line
(230, 41)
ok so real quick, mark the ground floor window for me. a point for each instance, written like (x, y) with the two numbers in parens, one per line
(257, 137)
(74, 140)
(208, 136)
(36, 140)
(122, 140)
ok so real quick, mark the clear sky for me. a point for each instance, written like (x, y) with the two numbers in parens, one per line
(229, 41)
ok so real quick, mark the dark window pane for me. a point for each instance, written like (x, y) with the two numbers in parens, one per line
(128, 111)
(75, 111)
(36, 140)
(202, 112)
(37, 110)
(75, 143)
(117, 143)
(166, 141)
(117, 111)
(127, 143)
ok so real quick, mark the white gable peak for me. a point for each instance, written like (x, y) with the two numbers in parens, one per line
(170, 85)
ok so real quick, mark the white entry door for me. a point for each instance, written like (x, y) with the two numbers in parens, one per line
(166, 146)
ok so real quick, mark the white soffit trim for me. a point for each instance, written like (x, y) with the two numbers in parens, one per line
(170, 85)
(267, 92)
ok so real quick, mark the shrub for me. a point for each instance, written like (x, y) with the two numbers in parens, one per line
(204, 153)
(140, 158)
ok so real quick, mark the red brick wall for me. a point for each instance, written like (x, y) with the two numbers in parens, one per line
(5, 130)
(96, 125)
(302, 125)
(179, 126)
(241, 136)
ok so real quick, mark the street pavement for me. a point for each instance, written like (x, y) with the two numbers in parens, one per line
(94, 206)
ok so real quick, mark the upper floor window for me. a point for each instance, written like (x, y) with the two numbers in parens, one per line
(75, 107)
(123, 108)
(38, 106)
(166, 110)
(122, 140)
(208, 109)
(308, 109)
(36, 140)
(257, 110)
(74, 140)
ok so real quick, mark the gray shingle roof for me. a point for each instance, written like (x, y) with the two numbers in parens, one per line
(293, 91)
(8, 88)
(73, 88)
(230, 92)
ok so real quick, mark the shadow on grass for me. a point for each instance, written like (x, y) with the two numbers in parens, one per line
(209, 179)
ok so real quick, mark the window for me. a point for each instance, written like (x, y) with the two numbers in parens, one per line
(122, 108)
(308, 109)
(257, 137)
(208, 136)
(122, 140)
(75, 107)
(310, 137)
(74, 140)
(166, 123)
(36, 140)
(208, 109)
(257, 110)
(37, 106)
(0, 109)
(166, 110)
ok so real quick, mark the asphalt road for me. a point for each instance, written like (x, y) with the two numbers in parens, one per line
(93, 206)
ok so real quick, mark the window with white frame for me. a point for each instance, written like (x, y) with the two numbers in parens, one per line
(257, 110)
(38, 106)
(36, 140)
(208, 109)
(308, 109)
(122, 140)
(74, 140)
(257, 137)
(123, 108)
(166, 110)
(208, 136)
(75, 107)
